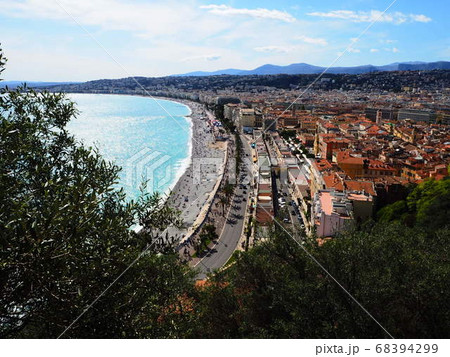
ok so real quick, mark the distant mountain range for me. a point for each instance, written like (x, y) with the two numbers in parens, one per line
(270, 69)
(15, 84)
(304, 68)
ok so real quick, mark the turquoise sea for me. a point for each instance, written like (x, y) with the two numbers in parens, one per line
(150, 140)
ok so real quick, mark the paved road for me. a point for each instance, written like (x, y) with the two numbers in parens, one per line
(295, 220)
(232, 230)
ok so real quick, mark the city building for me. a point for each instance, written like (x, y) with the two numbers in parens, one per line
(331, 211)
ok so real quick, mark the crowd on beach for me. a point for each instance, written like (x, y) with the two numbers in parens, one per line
(191, 192)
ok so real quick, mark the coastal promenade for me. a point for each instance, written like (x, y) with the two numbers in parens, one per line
(228, 241)
(192, 195)
(196, 196)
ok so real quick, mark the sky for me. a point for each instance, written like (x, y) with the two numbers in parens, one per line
(79, 40)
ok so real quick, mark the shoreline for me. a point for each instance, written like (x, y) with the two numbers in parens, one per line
(184, 163)
(190, 194)
(190, 191)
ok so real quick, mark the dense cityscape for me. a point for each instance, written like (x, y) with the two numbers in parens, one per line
(340, 150)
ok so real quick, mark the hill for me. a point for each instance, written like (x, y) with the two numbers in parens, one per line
(15, 84)
(304, 68)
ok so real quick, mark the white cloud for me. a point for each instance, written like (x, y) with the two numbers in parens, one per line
(313, 41)
(374, 50)
(275, 49)
(353, 50)
(388, 41)
(420, 18)
(208, 58)
(393, 50)
(159, 37)
(53, 65)
(257, 13)
(371, 16)
(147, 20)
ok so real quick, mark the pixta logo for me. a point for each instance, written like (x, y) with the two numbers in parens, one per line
(205, 169)
(150, 166)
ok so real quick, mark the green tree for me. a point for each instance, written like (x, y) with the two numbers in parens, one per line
(275, 290)
(65, 234)
(397, 210)
(207, 235)
(228, 190)
(427, 206)
(223, 202)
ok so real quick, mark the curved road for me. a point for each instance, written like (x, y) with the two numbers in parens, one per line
(231, 233)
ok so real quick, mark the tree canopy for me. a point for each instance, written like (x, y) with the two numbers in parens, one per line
(275, 290)
(427, 206)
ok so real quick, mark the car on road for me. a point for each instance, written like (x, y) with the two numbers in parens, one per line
(286, 220)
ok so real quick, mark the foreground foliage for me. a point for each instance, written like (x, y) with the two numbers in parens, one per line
(400, 275)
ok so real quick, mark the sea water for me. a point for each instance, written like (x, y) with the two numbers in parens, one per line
(149, 138)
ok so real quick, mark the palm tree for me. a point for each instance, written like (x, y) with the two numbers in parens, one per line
(207, 235)
(228, 190)
(223, 201)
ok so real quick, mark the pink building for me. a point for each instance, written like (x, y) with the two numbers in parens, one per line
(330, 212)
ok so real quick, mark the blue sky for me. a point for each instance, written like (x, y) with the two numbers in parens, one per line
(77, 40)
